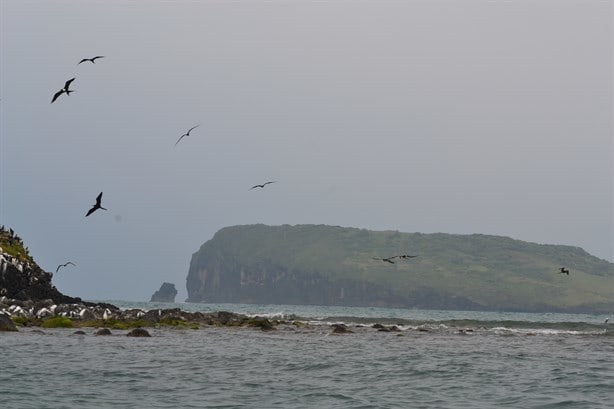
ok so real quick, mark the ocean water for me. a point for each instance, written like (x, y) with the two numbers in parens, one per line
(437, 359)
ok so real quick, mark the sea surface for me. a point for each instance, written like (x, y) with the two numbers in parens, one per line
(436, 359)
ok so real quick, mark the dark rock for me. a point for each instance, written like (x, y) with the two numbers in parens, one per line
(22, 279)
(166, 293)
(79, 332)
(6, 324)
(341, 329)
(103, 331)
(138, 332)
(378, 326)
(229, 318)
(262, 323)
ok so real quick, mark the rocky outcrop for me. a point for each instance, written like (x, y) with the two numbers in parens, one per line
(138, 332)
(166, 293)
(6, 324)
(21, 278)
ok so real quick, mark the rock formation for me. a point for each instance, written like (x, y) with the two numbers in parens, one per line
(21, 278)
(166, 293)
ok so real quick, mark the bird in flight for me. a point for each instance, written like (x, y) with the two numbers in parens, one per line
(389, 259)
(64, 265)
(92, 60)
(186, 134)
(64, 90)
(96, 206)
(262, 185)
(563, 270)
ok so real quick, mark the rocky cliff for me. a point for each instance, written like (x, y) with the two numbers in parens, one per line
(20, 277)
(329, 265)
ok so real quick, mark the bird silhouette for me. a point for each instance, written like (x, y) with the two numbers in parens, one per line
(186, 134)
(389, 259)
(64, 265)
(91, 59)
(64, 90)
(96, 206)
(563, 270)
(262, 185)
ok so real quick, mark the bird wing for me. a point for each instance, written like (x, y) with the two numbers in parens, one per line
(180, 138)
(268, 183)
(83, 60)
(68, 83)
(56, 95)
(98, 199)
(255, 186)
(190, 130)
(71, 263)
(92, 210)
(57, 269)
(97, 57)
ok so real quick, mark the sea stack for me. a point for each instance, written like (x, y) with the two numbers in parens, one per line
(166, 293)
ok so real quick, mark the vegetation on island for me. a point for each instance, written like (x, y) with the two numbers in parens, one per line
(317, 264)
(12, 245)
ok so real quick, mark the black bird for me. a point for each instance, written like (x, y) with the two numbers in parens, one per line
(64, 90)
(96, 206)
(563, 270)
(64, 265)
(186, 134)
(262, 185)
(389, 259)
(91, 59)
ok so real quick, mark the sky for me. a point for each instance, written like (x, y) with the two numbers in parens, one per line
(453, 116)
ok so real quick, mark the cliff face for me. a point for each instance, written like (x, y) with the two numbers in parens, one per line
(21, 278)
(328, 265)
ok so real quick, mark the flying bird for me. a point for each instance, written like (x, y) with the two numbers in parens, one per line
(64, 90)
(96, 206)
(186, 134)
(389, 259)
(92, 60)
(64, 265)
(563, 270)
(262, 185)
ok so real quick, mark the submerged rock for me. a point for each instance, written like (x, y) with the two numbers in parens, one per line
(341, 329)
(166, 293)
(103, 331)
(138, 332)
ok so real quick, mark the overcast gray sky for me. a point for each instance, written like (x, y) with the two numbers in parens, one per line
(420, 116)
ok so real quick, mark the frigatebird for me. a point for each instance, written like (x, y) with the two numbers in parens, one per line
(186, 134)
(91, 59)
(64, 90)
(96, 206)
(563, 270)
(64, 265)
(389, 259)
(262, 185)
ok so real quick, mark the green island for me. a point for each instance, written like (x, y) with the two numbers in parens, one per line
(331, 265)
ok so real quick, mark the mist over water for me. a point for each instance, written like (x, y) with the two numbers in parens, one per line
(549, 363)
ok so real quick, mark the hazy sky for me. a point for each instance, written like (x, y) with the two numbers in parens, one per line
(420, 116)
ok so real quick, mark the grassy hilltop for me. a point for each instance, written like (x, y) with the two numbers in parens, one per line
(313, 264)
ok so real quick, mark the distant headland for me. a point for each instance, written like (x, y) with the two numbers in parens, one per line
(331, 265)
